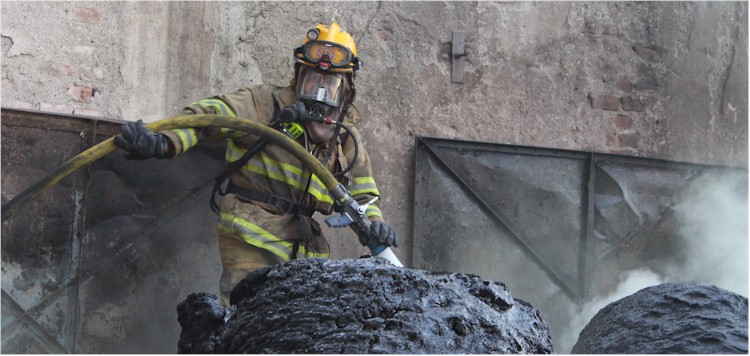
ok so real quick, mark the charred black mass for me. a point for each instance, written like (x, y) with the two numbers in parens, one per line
(362, 306)
(669, 319)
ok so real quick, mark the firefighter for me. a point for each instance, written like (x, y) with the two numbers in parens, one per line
(265, 214)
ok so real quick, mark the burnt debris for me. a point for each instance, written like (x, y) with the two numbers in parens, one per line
(669, 319)
(361, 306)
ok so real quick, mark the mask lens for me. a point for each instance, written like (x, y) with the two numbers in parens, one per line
(322, 87)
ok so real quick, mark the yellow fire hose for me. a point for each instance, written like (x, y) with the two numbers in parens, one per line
(340, 194)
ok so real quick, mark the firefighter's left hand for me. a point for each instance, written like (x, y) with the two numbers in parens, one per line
(384, 233)
(140, 142)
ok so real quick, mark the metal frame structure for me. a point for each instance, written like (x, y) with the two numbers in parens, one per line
(573, 285)
(73, 259)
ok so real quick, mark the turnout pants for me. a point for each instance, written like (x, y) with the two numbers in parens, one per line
(238, 258)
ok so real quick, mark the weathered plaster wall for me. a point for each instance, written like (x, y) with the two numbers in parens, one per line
(654, 79)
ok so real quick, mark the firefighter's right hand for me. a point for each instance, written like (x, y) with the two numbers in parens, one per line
(140, 143)
(384, 233)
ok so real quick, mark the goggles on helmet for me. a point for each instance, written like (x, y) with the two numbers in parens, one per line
(337, 55)
(319, 86)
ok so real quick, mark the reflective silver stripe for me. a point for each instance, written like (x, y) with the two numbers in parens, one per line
(364, 185)
(261, 238)
(219, 106)
(283, 172)
(187, 137)
(255, 235)
(373, 210)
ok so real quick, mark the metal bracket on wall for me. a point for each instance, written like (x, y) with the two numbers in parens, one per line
(457, 57)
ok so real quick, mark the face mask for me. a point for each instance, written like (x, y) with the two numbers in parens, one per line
(316, 86)
(322, 94)
(318, 109)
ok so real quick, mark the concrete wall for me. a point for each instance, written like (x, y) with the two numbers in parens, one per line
(664, 80)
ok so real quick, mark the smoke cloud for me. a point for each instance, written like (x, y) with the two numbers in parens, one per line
(714, 228)
(712, 214)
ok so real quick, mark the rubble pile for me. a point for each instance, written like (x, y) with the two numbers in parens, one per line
(361, 306)
(669, 319)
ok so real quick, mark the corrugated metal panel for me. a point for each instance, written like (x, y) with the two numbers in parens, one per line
(98, 263)
(556, 226)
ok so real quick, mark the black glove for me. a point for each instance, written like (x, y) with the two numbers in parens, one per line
(384, 233)
(142, 143)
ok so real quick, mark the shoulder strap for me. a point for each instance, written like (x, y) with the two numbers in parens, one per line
(236, 165)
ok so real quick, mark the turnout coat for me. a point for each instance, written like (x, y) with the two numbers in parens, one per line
(275, 172)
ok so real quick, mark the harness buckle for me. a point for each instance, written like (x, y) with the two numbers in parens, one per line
(286, 206)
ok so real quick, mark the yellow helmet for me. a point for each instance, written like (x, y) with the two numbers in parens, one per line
(328, 48)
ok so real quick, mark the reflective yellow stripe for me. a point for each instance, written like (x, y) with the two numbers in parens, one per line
(269, 164)
(228, 131)
(313, 254)
(364, 185)
(233, 152)
(187, 137)
(254, 235)
(283, 172)
(373, 210)
(260, 237)
(219, 107)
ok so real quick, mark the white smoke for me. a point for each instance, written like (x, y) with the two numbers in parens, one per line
(713, 220)
(714, 227)
(631, 282)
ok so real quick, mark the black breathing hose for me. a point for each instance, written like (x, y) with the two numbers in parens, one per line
(298, 112)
